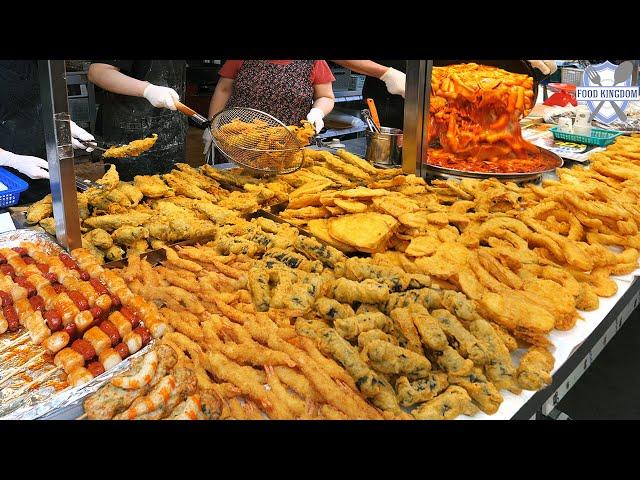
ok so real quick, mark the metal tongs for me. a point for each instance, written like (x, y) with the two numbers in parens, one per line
(366, 114)
(93, 145)
(84, 184)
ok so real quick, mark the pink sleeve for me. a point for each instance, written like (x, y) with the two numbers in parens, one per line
(321, 73)
(230, 68)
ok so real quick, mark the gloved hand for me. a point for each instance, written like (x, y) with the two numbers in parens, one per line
(547, 67)
(207, 139)
(395, 81)
(32, 167)
(161, 97)
(82, 134)
(315, 117)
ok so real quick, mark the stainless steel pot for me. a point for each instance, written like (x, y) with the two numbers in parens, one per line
(384, 148)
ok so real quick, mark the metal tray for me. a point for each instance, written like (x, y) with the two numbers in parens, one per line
(43, 399)
(505, 177)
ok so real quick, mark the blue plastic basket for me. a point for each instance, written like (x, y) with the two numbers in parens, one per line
(14, 184)
(599, 136)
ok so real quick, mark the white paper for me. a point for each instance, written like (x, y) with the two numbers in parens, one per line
(6, 223)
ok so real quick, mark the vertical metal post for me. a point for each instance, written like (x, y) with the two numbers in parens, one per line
(57, 134)
(416, 114)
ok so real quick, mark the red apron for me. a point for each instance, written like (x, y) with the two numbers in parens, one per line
(283, 91)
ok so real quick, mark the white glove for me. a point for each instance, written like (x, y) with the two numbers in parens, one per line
(207, 139)
(161, 97)
(32, 167)
(395, 81)
(547, 67)
(315, 117)
(82, 134)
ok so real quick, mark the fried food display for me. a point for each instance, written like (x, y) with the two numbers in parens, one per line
(234, 349)
(131, 149)
(474, 114)
(169, 392)
(408, 299)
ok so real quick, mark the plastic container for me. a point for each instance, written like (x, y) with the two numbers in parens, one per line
(599, 136)
(571, 75)
(15, 186)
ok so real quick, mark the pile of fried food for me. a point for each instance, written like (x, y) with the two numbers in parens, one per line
(474, 114)
(156, 387)
(262, 146)
(262, 304)
(459, 276)
(212, 297)
(123, 218)
(132, 149)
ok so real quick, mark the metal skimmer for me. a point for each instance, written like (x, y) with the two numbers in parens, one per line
(256, 141)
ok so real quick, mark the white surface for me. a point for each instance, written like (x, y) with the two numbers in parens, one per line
(565, 343)
(6, 223)
(3, 187)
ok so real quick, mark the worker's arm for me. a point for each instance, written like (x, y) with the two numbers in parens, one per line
(393, 79)
(323, 101)
(364, 67)
(219, 100)
(221, 96)
(110, 78)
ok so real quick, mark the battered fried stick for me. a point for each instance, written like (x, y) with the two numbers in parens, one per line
(351, 327)
(244, 378)
(298, 383)
(332, 368)
(410, 393)
(448, 405)
(483, 392)
(534, 371)
(331, 309)
(403, 323)
(390, 359)
(249, 352)
(469, 345)
(295, 405)
(174, 259)
(368, 382)
(318, 378)
(499, 367)
(185, 282)
(367, 291)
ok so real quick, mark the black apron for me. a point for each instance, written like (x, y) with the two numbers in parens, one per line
(21, 127)
(390, 107)
(126, 118)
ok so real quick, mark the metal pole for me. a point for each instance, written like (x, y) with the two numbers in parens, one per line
(57, 134)
(416, 114)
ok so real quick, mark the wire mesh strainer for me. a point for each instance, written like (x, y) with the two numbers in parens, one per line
(257, 141)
